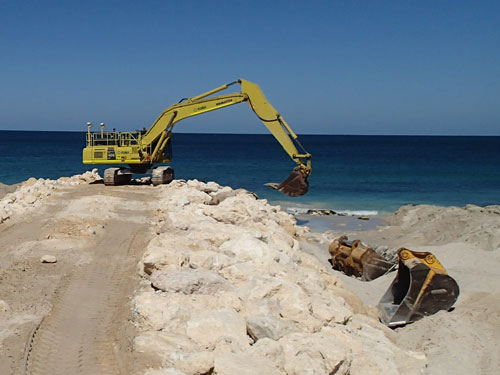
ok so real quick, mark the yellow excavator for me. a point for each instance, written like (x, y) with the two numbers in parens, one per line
(139, 151)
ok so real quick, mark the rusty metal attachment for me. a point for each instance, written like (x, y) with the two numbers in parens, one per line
(422, 287)
(356, 259)
(295, 185)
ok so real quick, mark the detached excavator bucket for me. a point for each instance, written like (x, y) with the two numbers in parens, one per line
(356, 259)
(422, 287)
(295, 185)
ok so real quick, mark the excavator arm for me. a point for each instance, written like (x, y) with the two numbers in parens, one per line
(152, 144)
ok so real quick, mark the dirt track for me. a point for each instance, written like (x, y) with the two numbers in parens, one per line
(72, 317)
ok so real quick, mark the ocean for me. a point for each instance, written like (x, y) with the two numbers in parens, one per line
(361, 174)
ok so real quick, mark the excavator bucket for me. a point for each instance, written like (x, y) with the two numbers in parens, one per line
(422, 287)
(356, 259)
(295, 185)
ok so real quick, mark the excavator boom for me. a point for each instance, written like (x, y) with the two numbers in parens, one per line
(140, 150)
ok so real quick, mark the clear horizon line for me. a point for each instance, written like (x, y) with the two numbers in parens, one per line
(268, 133)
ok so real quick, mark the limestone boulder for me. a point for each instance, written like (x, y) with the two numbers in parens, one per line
(171, 311)
(158, 311)
(48, 259)
(246, 248)
(157, 345)
(164, 371)
(305, 353)
(221, 194)
(265, 326)
(209, 260)
(208, 327)
(244, 364)
(186, 219)
(189, 281)
(184, 195)
(192, 363)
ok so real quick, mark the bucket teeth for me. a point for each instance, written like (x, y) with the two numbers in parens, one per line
(295, 185)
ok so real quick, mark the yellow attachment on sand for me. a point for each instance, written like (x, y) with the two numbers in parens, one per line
(422, 287)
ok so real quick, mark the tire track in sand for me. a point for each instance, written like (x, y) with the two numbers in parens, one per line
(82, 334)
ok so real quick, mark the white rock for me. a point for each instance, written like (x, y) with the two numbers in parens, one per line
(314, 354)
(244, 364)
(260, 326)
(209, 260)
(189, 281)
(246, 248)
(208, 327)
(30, 198)
(185, 220)
(164, 371)
(170, 311)
(157, 345)
(210, 187)
(48, 259)
(222, 194)
(195, 363)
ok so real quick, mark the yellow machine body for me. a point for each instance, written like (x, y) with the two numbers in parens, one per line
(142, 149)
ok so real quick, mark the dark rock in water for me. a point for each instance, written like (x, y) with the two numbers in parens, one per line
(363, 218)
(317, 212)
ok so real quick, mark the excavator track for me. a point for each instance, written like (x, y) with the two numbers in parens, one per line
(162, 175)
(81, 335)
(115, 176)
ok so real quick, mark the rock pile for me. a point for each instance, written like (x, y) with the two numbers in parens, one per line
(31, 192)
(229, 291)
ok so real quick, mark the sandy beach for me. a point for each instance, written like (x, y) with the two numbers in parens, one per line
(197, 278)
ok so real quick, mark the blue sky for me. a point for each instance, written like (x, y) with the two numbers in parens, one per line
(329, 67)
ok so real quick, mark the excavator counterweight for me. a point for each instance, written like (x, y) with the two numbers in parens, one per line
(138, 152)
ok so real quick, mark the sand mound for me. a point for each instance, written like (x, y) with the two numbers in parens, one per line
(465, 240)
(474, 225)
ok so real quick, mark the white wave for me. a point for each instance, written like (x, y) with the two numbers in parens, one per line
(358, 213)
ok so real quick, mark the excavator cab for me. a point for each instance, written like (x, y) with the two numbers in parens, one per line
(422, 287)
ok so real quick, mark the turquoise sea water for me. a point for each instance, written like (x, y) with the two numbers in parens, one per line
(356, 173)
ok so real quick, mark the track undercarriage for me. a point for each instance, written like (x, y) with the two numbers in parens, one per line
(122, 176)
